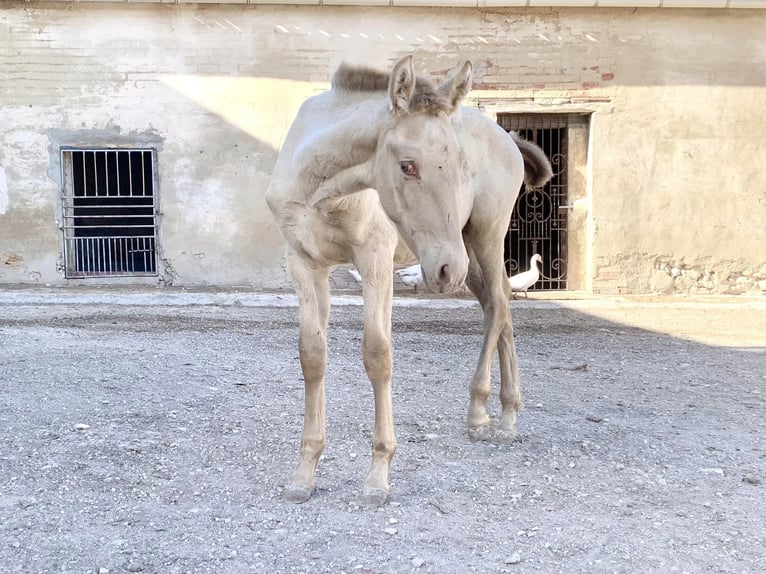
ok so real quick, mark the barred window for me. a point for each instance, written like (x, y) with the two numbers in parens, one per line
(109, 208)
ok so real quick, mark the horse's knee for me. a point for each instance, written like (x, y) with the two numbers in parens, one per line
(376, 351)
(313, 353)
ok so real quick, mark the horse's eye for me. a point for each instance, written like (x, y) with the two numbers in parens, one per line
(408, 168)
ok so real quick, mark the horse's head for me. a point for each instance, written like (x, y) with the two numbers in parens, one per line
(420, 172)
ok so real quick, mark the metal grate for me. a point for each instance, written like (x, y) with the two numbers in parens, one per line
(109, 209)
(539, 220)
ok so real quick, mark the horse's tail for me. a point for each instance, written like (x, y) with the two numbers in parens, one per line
(537, 168)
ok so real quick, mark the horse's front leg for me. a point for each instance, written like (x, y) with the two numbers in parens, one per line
(377, 287)
(478, 420)
(313, 291)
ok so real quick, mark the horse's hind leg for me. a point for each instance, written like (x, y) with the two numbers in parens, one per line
(313, 291)
(510, 386)
(486, 279)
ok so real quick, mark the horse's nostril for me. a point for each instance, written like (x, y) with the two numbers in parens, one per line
(444, 274)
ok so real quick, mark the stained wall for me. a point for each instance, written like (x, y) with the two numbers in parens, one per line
(669, 191)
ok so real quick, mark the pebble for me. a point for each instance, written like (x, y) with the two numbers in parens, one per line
(417, 562)
(81, 426)
(514, 558)
(390, 531)
(135, 567)
(712, 471)
(103, 571)
(751, 480)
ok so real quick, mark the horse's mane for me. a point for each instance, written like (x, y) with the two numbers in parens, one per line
(426, 97)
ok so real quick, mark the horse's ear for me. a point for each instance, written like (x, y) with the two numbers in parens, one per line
(401, 86)
(458, 86)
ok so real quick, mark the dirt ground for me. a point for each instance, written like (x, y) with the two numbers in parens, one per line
(154, 431)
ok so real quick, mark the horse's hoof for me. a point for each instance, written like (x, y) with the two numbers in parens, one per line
(480, 433)
(297, 493)
(373, 497)
(502, 436)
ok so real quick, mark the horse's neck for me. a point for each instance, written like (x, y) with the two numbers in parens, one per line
(344, 135)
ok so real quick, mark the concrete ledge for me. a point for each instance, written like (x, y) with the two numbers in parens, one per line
(704, 4)
(23, 295)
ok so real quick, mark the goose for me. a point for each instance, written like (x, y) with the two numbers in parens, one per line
(523, 281)
(355, 274)
(411, 276)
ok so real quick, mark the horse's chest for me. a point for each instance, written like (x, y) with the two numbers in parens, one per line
(326, 236)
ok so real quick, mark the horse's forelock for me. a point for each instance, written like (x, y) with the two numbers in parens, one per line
(425, 99)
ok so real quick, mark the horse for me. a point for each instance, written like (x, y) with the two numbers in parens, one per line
(382, 167)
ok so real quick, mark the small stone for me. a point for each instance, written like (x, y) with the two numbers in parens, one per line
(393, 521)
(417, 562)
(135, 567)
(103, 571)
(390, 531)
(514, 558)
(718, 471)
(593, 418)
(751, 480)
(81, 426)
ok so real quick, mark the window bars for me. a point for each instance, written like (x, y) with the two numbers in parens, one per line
(109, 212)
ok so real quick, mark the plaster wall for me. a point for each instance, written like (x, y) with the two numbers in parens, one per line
(671, 193)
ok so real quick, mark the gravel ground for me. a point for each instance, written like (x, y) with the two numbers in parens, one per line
(142, 434)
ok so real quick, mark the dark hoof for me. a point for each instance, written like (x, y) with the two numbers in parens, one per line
(504, 437)
(297, 493)
(373, 497)
(480, 434)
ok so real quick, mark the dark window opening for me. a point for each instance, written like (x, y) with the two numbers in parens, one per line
(109, 213)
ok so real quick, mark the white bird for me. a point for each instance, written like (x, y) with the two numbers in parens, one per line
(525, 280)
(355, 275)
(411, 276)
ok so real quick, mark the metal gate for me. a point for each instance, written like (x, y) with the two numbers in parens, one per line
(539, 221)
